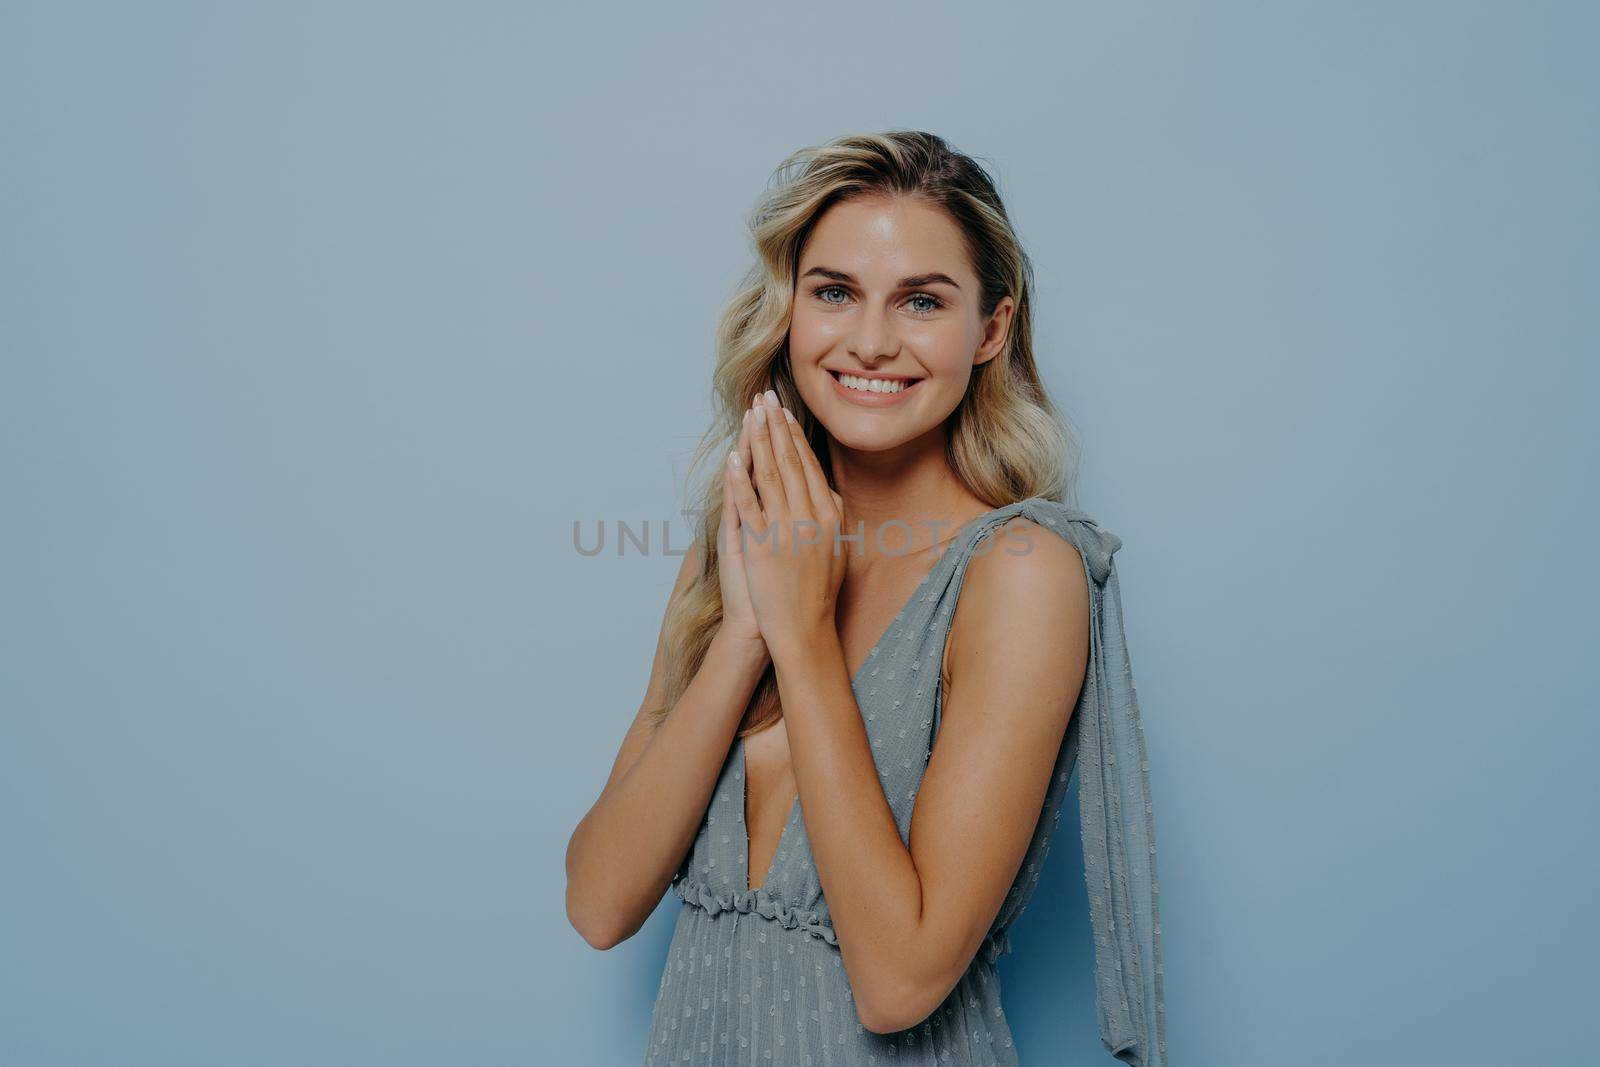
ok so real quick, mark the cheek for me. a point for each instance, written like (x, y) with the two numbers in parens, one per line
(812, 336)
(946, 349)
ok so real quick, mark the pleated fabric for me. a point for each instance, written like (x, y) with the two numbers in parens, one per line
(755, 977)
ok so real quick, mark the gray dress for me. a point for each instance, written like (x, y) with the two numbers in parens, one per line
(756, 977)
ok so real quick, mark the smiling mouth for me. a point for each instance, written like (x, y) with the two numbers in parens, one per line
(873, 386)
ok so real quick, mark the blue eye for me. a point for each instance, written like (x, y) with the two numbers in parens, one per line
(933, 303)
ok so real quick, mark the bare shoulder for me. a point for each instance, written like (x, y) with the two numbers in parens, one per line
(1029, 570)
(1025, 586)
(1051, 553)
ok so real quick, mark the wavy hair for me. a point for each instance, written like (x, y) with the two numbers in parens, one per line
(1005, 440)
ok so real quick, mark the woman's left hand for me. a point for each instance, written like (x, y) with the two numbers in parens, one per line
(789, 518)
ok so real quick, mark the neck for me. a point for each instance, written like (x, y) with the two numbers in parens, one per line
(902, 501)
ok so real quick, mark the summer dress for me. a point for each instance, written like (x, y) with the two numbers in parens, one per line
(756, 977)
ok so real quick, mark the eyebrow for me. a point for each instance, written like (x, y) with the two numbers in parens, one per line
(912, 282)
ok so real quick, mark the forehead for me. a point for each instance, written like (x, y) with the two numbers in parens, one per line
(874, 238)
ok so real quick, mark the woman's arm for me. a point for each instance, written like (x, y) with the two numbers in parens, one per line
(910, 917)
(623, 854)
(911, 920)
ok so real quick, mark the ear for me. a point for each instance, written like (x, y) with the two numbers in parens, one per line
(995, 331)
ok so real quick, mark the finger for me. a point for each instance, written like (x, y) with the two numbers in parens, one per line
(730, 517)
(797, 494)
(744, 495)
(746, 453)
(764, 473)
(816, 480)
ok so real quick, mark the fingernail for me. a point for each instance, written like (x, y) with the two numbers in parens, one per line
(761, 416)
(788, 414)
(772, 398)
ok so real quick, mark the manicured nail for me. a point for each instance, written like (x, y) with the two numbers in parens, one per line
(789, 415)
(772, 398)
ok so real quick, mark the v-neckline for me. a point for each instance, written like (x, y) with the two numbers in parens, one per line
(872, 654)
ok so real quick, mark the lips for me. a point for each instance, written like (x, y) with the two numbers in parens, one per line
(872, 398)
(863, 384)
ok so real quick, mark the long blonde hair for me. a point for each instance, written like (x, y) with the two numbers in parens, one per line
(1005, 442)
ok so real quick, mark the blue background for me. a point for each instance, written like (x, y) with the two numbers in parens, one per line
(321, 325)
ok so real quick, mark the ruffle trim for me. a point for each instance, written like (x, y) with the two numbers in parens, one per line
(997, 944)
(756, 902)
(760, 902)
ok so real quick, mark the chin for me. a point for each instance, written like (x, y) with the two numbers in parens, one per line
(864, 433)
(863, 443)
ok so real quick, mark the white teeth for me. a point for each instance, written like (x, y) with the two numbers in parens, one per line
(873, 385)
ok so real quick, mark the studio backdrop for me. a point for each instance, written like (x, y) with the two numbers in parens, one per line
(331, 332)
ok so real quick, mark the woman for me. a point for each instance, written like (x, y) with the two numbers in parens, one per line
(848, 771)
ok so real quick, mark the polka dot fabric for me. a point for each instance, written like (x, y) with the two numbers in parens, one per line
(754, 976)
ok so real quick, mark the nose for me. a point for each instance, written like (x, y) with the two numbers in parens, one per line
(873, 338)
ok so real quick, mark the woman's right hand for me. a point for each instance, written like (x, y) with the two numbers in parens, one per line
(738, 613)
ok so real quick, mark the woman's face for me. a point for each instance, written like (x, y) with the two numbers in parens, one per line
(885, 295)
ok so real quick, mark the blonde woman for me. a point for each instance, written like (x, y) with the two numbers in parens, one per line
(881, 657)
